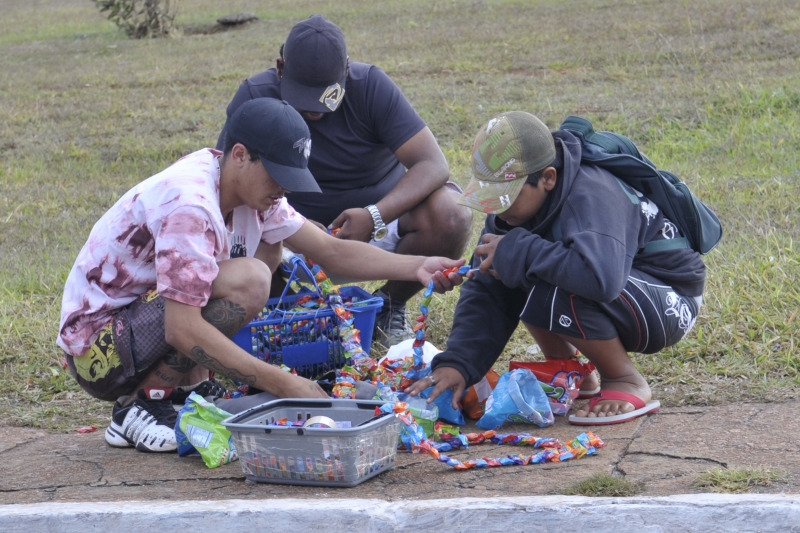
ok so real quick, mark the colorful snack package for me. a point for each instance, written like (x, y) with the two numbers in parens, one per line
(473, 402)
(560, 378)
(198, 428)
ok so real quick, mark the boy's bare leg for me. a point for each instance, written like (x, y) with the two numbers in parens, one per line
(195, 376)
(172, 371)
(616, 369)
(554, 347)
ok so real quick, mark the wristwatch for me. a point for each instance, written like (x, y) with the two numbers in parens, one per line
(380, 230)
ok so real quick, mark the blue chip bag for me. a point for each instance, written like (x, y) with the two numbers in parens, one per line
(517, 397)
(444, 402)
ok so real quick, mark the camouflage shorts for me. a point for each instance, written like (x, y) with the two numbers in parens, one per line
(126, 350)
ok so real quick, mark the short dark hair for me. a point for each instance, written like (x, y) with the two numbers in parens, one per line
(228, 146)
(557, 163)
(533, 179)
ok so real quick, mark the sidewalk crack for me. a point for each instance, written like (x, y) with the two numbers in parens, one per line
(149, 482)
(682, 457)
(94, 463)
(17, 445)
(615, 468)
(409, 465)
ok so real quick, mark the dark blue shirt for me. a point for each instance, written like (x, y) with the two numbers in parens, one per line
(352, 148)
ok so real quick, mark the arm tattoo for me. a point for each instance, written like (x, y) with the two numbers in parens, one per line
(226, 316)
(208, 361)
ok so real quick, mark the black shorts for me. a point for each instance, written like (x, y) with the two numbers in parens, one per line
(126, 350)
(648, 315)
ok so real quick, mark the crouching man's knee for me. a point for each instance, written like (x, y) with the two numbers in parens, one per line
(452, 223)
(245, 281)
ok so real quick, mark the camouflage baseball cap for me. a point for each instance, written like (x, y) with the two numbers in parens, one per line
(507, 149)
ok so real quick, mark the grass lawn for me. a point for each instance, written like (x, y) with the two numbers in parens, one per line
(709, 90)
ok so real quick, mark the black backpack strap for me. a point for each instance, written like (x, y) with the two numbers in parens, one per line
(585, 128)
(627, 190)
(610, 142)
(666, 244)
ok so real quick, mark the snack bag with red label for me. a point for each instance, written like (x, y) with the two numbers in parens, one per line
(560, 378)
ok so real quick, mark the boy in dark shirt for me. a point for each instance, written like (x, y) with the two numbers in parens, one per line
(591, 290)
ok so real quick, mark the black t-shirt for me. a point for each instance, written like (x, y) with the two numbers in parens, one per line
(352, 148)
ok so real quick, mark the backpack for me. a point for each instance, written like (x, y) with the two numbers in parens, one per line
(618, 155)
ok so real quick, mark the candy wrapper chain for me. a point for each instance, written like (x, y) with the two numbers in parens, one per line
(389, 376)
(448, 438)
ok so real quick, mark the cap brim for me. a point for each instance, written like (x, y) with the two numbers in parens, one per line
(491, 197)
(291, 179)
(307, 98)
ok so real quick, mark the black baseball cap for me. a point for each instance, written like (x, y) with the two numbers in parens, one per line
(280, 136)
(315, 66)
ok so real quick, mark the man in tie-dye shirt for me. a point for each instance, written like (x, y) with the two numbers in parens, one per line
(154, 294)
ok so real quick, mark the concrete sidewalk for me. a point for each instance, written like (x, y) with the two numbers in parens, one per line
(664, 451)
(709, 513)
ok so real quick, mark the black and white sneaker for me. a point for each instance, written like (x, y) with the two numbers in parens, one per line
(148, 423)
(391, 325)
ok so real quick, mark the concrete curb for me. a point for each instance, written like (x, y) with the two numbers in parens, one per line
(708, 513)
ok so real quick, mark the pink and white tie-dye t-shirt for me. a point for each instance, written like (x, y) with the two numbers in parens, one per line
(167, 233)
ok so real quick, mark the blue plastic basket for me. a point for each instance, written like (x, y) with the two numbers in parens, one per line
(307, 341)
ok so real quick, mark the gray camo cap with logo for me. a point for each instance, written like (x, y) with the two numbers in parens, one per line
(507, 149)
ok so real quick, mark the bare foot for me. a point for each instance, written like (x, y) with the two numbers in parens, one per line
(635, 385)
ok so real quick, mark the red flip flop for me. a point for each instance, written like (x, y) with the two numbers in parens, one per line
(640, 408)
(586, 394)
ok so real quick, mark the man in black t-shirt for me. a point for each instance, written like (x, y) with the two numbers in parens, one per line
(383, 177)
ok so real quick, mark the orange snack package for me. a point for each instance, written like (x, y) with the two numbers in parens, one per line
(474, 401)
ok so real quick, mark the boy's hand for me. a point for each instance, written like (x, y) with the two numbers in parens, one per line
(486, 251)
(433, 269)
(444, 378)
(300, 387)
